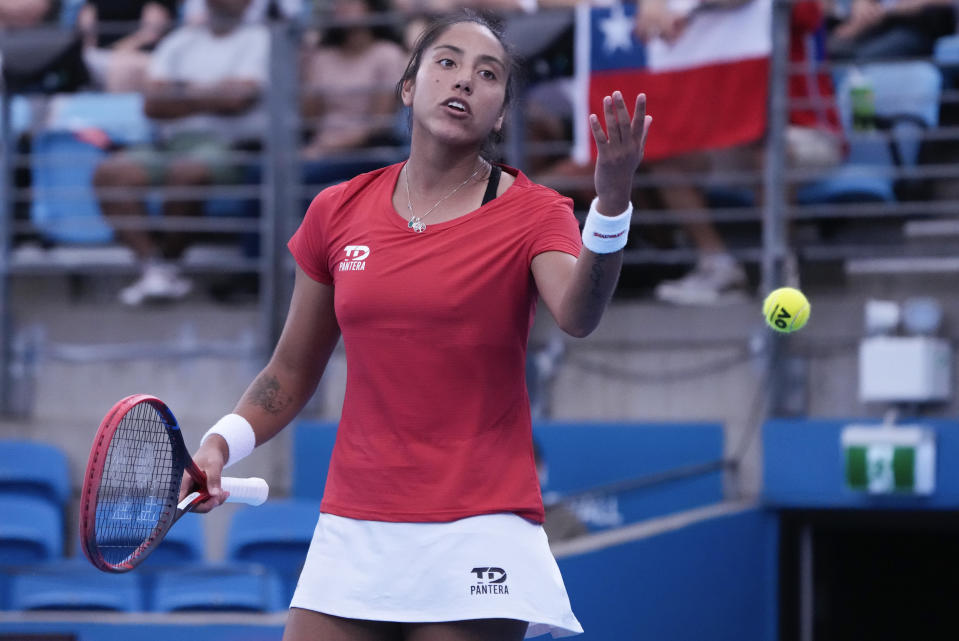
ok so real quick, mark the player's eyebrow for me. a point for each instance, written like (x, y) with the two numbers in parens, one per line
(483, 57)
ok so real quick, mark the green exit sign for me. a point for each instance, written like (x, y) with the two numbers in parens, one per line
(889, 460)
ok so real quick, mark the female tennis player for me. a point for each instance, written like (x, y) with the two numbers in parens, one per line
(430, 525)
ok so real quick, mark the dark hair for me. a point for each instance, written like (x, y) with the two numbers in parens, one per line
(436, 29)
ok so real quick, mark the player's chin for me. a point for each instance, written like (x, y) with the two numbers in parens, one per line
(458, 135)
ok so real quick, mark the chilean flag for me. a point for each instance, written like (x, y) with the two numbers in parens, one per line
(705, 90)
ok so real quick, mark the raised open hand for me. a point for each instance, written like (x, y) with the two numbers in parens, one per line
(619, 149)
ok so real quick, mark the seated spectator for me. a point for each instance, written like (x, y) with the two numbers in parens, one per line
(204, 91)
(39, 56)
(348, 98)
(20, 14)
(118, 36)
(439, 7)
(889, 29)
(258, 12)
(813, 140)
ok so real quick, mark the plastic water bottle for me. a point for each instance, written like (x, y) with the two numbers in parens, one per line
(863, 101)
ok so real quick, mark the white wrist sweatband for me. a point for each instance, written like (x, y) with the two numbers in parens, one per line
(238, 434)
(606, 234)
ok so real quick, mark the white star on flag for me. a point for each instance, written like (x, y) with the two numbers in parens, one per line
(617, 30)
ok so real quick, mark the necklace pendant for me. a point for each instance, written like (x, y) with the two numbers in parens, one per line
(417, 225)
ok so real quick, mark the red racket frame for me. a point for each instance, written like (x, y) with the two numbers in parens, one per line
(94, 473)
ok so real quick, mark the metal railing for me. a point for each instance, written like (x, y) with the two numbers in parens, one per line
(280, 192)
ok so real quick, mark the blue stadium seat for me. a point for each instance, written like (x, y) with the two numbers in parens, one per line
(64, 207)
(75, 585)
(226, 587)
(276, 534)
(33, 468)
(907, 98)
(119, 115)
(183, 544)
(31, 530)
(20, 115)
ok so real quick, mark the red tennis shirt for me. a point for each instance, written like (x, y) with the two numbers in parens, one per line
(436, 422)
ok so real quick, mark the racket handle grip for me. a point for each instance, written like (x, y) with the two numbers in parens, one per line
(252, 491)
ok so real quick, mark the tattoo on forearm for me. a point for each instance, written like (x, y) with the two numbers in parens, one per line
(267, 393)
(598, 292)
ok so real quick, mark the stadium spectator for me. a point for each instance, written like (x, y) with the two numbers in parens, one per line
(118, 36)
(258, 12)
(813, 140)
(39, 56)
(348, 102)
(20, 14)
(204, 92)
(889, 29)
(439, 7)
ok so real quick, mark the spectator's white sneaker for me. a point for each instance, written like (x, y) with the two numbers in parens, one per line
(158, 282)
(711, 283)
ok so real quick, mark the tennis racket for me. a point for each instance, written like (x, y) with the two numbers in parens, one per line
(129, 498)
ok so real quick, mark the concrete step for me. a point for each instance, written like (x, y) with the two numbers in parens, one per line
(903, 265)
(938, 229)
(35, 259)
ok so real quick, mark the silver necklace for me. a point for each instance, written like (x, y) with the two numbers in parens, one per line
(416, 222)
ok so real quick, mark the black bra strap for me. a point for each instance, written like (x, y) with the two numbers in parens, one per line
(493, 184)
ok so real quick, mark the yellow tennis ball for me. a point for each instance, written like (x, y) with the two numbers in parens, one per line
(786, 309)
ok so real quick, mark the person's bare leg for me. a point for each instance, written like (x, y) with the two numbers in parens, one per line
(702, 233)
(183, 173)
(472, 630)
(113, 176)
(717, 274)
(307, 625)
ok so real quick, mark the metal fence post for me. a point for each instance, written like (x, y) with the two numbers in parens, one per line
(774, 168)
(7, 152)
(281, 185)
(775, 225)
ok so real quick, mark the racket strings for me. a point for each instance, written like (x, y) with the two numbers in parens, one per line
(139, 486)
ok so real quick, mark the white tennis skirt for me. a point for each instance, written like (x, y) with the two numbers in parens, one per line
(494, 566)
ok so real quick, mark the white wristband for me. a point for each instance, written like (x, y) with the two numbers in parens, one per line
(238, 434)
(606, 234)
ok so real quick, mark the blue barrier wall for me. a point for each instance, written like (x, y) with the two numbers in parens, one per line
(312, 448)
(712, 580)
(579, 456)
(803, 467)
(144, 630)
(715, 580)
(658, 572)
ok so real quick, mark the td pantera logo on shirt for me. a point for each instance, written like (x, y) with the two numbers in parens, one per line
(355, 260)
(489, 581)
